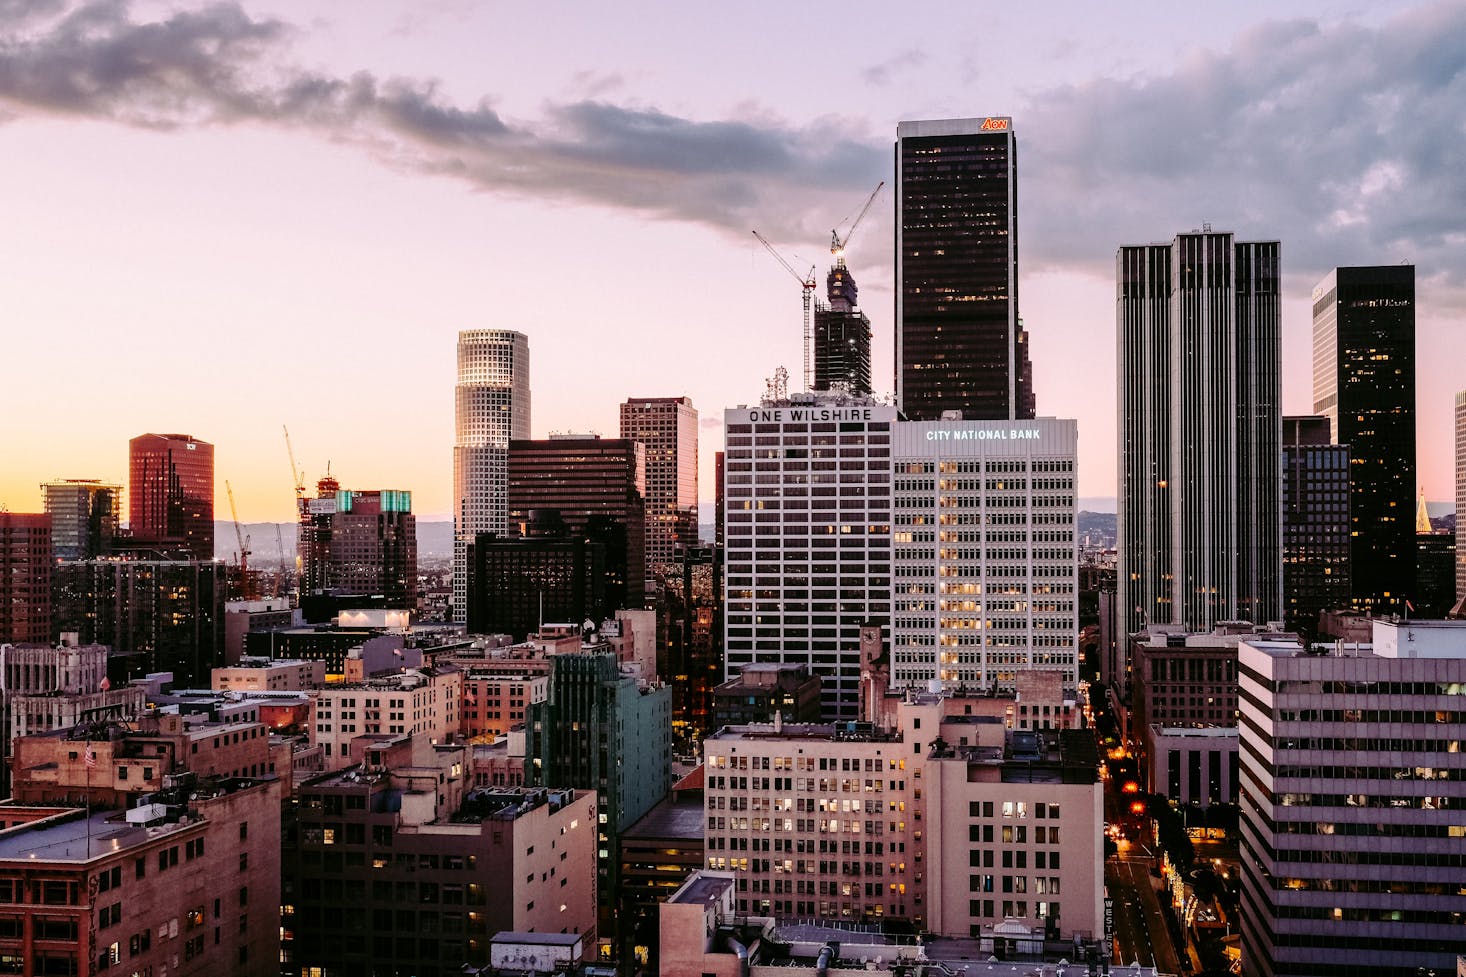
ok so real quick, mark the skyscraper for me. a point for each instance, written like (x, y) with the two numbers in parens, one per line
(25, 577)
(1461, 495)
(1200, 517)
(841, 336)
(360, 542)
(1315, 523)
(984, 564)
(170, 500)
(958, 337)
(1364, 383)
(491, 408)
(808, 536)
(667, 426)
(85, 516)
(596, 486)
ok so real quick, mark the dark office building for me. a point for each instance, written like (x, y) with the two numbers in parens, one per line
(841, 336)
(171, 494)
(597, 486)
(549, 574)
(361, 543)
(158, 615)
(1315, 523)
(25, 578)
(1364, 382)
(1435, 575)
(959, 342)
(692, 623)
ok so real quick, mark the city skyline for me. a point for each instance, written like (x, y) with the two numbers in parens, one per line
(316, 249)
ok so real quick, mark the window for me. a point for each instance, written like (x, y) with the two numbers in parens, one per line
(244, 895)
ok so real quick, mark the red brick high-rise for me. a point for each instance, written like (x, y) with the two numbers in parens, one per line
(171, 493)
(25, 578)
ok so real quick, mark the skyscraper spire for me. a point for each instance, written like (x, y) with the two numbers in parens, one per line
(1422, 517)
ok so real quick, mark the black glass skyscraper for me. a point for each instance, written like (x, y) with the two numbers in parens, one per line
(958, 337)
(1364, 382)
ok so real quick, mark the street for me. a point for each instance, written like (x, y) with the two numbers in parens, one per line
(1140, 930)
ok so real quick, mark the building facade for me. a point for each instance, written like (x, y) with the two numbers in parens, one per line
(1200, 520)
(597, 726)
(359, 542)
(808, 536)
(156, 615)
(86, 515)
(170, 494)
(351, 716)
(491, 408)
(959, 343)
(597, 486)
(1461, 495)
(667, 428)
(760, 691)
(188, 884)
(984, 563)
(403, 867)
(948, 819)
(1316, 522)
(25, 577)
(1351, 823)
(1364, 383)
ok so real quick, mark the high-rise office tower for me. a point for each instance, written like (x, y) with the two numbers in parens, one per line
(360, 542)
(85, 515)
(491, 408)
(1351, 800)
(984, 564)
(807, 541)
(1200, 419)
(1461, 495)
(596, 485)
(25, 577)
(841, 336)
(170, 499)
(667, 426)
(1315, 523)
(1364, 383)
(959, 342)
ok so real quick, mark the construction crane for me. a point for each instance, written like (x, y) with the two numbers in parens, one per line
(837, 243)
(280, 573)
(245, 590)
(807, 282)
(297, 476)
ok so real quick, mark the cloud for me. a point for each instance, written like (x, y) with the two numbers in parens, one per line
(1344, 141)
(220, 66)
(883, 73)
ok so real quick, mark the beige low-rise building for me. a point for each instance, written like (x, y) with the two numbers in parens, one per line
(859, 822)
(267, 675)
(418, 701)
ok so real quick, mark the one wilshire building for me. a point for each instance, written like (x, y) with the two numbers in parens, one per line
(807, 509)
(1200, 520)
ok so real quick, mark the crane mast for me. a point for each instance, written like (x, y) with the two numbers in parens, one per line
(808, 283)
(245, 590)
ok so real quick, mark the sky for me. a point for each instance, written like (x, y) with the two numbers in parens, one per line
(222, 219)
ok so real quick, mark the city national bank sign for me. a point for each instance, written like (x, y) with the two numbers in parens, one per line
(986, 434)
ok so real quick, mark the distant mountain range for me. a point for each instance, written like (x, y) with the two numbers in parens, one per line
(434, 541)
